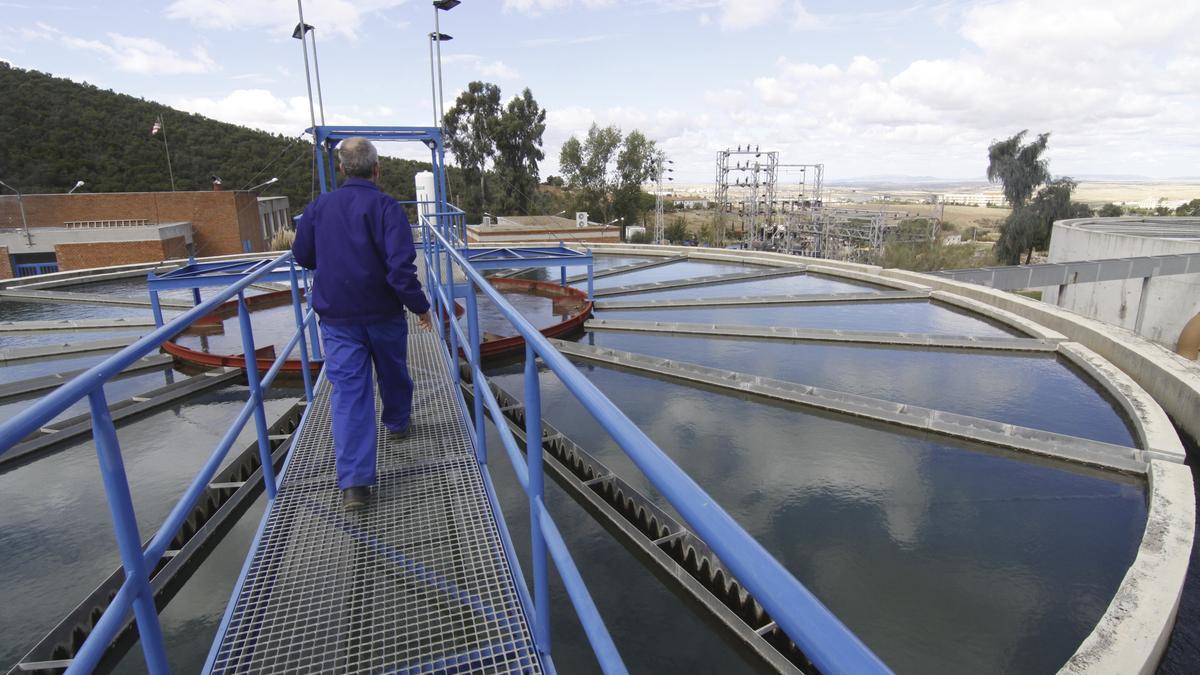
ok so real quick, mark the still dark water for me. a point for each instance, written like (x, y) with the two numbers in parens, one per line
(944, 557)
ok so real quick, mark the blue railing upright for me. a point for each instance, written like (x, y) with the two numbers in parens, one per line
(828, 643)
(138, 561)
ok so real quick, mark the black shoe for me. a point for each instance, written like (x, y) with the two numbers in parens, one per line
(402, 434)
(355, 498)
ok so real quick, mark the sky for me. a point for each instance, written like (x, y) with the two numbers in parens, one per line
(868, 88)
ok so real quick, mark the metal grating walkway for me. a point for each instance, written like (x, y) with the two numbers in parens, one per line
(417, 582)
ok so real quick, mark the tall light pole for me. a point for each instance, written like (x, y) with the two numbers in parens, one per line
(434, 84)
(299, 33)
(21, 204)
(441, 6)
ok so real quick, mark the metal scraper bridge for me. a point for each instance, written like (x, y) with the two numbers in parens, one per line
(426, 579)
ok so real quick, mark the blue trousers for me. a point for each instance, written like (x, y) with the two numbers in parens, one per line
(349, 353)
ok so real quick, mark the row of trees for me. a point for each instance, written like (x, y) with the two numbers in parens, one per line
(482, 133)
(498, 148)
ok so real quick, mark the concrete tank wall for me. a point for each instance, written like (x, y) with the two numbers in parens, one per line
(1156, 307)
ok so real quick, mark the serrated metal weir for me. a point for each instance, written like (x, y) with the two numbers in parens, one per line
(416, 582)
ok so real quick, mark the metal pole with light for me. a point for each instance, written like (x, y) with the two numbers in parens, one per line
(21, 204)
(300, 31)
(439, 38)
(264, 184)
(317, 73)
(442, 6)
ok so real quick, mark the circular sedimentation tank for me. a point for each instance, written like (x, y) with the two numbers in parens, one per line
(972, 481)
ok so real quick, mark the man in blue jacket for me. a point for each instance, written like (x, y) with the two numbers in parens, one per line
(358, 241)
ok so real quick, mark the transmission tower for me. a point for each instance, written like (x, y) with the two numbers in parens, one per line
(754, 173)
(660, 169)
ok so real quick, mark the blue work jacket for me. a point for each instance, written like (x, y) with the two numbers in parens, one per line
(358, 241)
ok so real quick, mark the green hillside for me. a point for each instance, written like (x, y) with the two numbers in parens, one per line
(54, 132)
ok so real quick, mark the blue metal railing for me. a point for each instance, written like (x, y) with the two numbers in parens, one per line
(135, 592)
(829, 644)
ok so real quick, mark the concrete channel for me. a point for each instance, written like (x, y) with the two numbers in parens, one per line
(1034, 441)
(66, 349)
(926, 340)
(698, 281)
(87, 299)
(624, 269)
(765, 300)
(72, 325)
(36, 386)
(64, 431)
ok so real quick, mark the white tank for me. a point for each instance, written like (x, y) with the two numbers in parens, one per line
(426, 193)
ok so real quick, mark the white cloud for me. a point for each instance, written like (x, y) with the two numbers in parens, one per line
(802, 19)
(498, 70)
(331, 17)
(536, 7)
(256, 108)
(145, 56)
(740, 15)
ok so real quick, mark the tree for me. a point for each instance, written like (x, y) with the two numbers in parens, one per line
(470, 128)
(1110, 210)
(1030, 226)
(676, 230)
(518, 136)
(1191, 209)
(587, 166)
(606, 172)
(636, 164)
(1019, 168)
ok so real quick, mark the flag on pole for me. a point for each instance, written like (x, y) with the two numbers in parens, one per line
(156, 128)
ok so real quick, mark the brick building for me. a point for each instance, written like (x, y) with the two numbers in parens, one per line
(75, 231)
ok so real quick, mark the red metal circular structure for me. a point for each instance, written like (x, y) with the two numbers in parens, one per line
(580, 310)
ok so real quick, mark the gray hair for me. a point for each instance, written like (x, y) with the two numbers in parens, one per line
(357, 157)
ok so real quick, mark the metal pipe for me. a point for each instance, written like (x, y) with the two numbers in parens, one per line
(533, 436)
(312, 115)
(476, 382)
(299, 312)
(120, 505)
(433, 81)
(437, 29)
(260, 416)
(317, 72)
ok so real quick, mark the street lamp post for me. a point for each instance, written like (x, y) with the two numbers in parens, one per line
(21, 205)
(441, 6)
(435, 85)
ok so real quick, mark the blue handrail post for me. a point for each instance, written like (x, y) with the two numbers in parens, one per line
(590, 297)
(533, 454)
(314, 337)
(299, 311)
(120, 505)
(260, 417)
(156, 309)
(476, 363)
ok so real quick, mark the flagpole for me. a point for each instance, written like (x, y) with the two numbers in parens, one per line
(170, 171)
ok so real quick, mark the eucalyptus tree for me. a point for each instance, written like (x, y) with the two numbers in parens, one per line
(519, 149)
(470, 127)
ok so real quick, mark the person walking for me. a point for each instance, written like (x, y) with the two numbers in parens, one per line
(358, 242)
